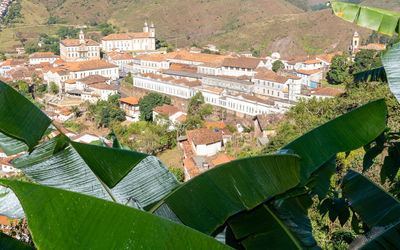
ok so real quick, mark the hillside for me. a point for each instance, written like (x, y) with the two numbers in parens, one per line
(264, 25)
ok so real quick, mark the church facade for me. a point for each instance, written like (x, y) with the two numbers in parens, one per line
(132, 41)
(74, 50)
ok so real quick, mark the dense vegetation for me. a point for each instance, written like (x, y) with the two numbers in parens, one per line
(150, 101)
(106, 112)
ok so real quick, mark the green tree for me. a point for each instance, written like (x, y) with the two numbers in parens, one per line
(195, 104)
(54, 88)
(67, 31)
(179, 173)
(365, 60)
(2, 56)
(150, 101)
(23, 86)
(339, 69)
(277, 65)
(106, 112)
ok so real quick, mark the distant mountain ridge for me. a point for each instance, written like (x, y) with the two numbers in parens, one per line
(264, 26)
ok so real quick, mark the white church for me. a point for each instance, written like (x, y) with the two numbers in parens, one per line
(131, 41)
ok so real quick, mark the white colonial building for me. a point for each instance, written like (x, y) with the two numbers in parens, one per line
(132, 41)
(42, 57)
(73, 50)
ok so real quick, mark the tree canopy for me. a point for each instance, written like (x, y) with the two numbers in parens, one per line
(150, 101)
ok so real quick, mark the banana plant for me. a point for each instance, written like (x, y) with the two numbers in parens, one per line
(265, 188)
(382, 21)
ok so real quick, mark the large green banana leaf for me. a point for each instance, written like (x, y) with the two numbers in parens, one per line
(379, 238)
(81, 168)
(59, 219)
(383, 21)
(375, 206)
(378, 74)
(207, 201)
(21, 119)
(280, 225)
(345, 133)
(391, 62)
(11, 146)
(9, 243)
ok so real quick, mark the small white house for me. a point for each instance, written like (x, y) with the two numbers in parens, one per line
(42, 57)
(205, 142)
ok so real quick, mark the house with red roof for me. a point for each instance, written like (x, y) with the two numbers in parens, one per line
(162, 114)
(130, 105)
(205, 142)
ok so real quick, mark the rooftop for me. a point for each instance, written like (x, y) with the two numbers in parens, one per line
(222, 158)
(77, 42)
(203, 136)
(130, 100)
(270, 75)
(166, 110)
(242, 62)
(90, 65)
(126, 36)
(102, 86)
(327, 91)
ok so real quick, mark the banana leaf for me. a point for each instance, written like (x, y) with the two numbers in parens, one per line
(375, 206)
(378, 74)
(207, 201)
(391, 62)
(21, 119)
(283, 225)
(345, 133)
(379, 238)
(383, 21)
(59, 219)
(9, 243)
(129, 176)
(11, 146)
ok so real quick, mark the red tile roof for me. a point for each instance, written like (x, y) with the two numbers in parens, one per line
(309, 72)
(222, 158)
(43, 55)
(166, 110)
(90, 65)
(270, 75)
(203, 136)
(77, 42)
(327, 91)
(242, 62)
(102, 86)
(130, 100)
(126, 36)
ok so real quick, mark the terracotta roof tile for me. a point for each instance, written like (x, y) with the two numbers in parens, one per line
(77, 42)
(90, 65)
(93, 79)
(181, 118)
(242, 62)
(222, 158)
(126, 36)
(102, 86)
(327, 91)
(203, 136)
(130, 100)
(309, 72)
(270, 75)
(166, 110)
(327, 57)
(214, 90)
(43, 55)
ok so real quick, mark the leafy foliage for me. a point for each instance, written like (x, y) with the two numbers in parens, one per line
(277, 65)
(339, 69)
(150, 101)
(106, 112)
